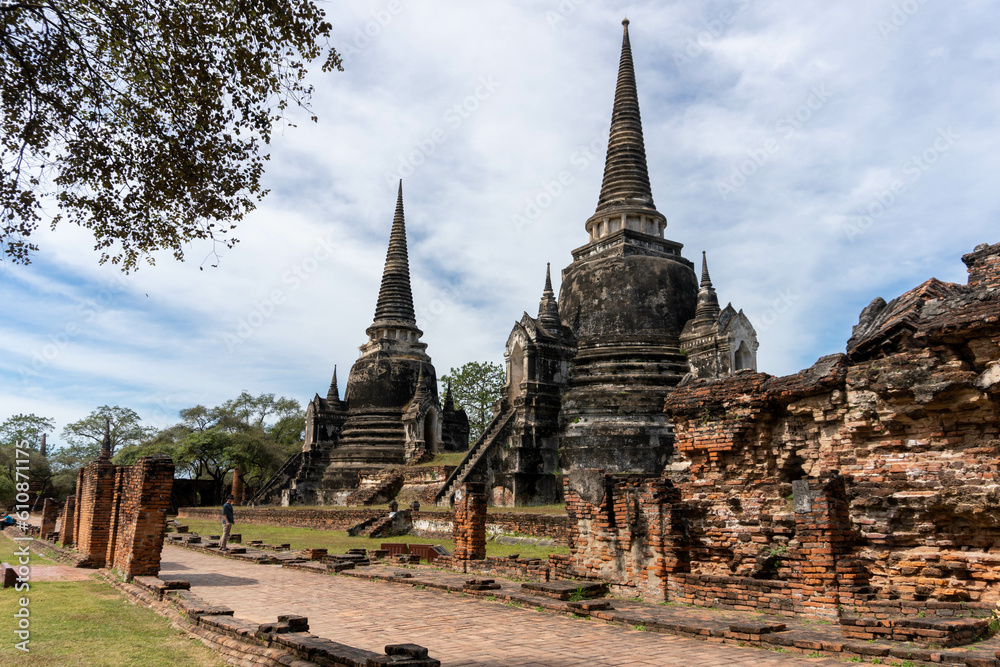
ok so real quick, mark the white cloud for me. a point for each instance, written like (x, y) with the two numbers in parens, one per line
(534, 95)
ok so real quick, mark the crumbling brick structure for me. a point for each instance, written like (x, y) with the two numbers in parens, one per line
(95, 494)
(864, 484)
(470, 522)
(630, 531)
(142, 500)
(122, 513)
(67, 522)
(50, 513)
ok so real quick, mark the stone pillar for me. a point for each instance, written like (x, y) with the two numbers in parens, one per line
(50, 512)
(238, 486)
(142, 522)
(96, 495)
(67, 523)
(76, 513)
(470, 522)
(823, 533)
(668, 540)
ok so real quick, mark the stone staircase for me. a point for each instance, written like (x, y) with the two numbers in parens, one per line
(491, 435)
(381, 492)
(279, 480)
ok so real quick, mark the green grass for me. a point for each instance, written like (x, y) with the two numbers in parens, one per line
(443, 459)
(559, 509)
(84, 623)
(338, 541)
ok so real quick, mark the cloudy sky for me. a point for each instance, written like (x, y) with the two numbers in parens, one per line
(823, 154)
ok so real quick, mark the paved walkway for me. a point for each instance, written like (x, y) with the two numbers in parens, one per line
(457, 630)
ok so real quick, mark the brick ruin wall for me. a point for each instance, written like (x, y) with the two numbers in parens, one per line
(869, 482)
(67, 522)
(50, 514)
(94, 498)
(470, 522)
(121, 514)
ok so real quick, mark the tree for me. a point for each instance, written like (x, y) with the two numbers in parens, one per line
(87, 434)
(144, 120)
(476, 386)
(25, 428)
(252, 434)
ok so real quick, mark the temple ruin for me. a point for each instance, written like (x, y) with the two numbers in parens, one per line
(587, 376)
(390, 415)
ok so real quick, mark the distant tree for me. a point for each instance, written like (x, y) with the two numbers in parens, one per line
(476, 386)
(88, 433)
(144, 120)
(253, 434)
(25, 428)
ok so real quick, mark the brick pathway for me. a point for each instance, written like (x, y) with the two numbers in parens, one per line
(457, 630)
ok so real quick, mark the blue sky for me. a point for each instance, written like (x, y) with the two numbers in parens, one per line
(822, 154)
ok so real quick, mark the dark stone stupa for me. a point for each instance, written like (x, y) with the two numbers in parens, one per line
(587, 378)
(390, 414)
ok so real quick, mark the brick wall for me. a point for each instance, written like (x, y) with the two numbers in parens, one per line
(908, 421)
(95, 497)
(984, 266)
(470, 522)
(67, 522)
(120, 514)
(50, 513)
(142, 516)
(629, 532)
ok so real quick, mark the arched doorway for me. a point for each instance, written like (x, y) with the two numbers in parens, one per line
(515, 372)
(744, 357)
(430, 431)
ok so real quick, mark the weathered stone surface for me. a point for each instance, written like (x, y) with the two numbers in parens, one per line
(390, 415)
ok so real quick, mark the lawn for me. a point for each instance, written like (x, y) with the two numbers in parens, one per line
(338, 541)
(556, 510)
(83, 623)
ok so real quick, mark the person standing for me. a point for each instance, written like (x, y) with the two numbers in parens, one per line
(227, 522)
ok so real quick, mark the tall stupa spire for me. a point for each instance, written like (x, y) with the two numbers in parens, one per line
(626, 200)
(626, 177)
(334, 393)
(706, 280)
(395, 299)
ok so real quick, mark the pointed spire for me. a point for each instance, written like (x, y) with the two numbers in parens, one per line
(43, 449)
(626, 177)
(449, 402)
(395, 299)
(706, 280)
(106, 443)
(708, 301)
(548, 307)
(334, 394)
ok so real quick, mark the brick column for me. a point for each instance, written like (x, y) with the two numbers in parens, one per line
(50, 513)
(77, 504)
(121, 474)
(823, 533)
(470, 522)
(237, 487)
(96, 495)
(67, 522)
(667, 541)
(145, 501)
